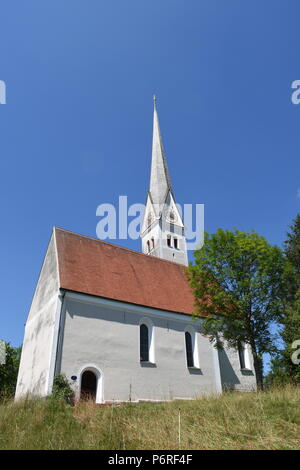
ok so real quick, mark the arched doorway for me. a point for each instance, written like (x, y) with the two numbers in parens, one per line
(88, 389)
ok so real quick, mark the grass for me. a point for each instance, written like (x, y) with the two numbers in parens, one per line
(264, 420)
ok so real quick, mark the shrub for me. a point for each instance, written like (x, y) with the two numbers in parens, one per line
(62, 389)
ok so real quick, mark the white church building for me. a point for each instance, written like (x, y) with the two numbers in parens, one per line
(119, 323)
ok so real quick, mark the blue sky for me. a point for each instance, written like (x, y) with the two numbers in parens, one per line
(76, 129)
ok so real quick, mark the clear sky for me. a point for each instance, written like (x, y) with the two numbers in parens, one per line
(77, 126)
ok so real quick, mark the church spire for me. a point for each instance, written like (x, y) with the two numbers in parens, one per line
(162, 229)
(160, 183)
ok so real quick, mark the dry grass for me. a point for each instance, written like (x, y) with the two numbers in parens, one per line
(265, 420)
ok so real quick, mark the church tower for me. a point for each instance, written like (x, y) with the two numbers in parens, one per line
(163, 228)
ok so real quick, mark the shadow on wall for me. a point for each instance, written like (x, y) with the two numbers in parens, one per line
(229, 378)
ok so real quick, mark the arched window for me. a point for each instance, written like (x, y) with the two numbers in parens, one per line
(176, 244)
(148, 246)
(241, 355)
(189, 349)
(152, 240)
(146, 340)
(144, 343)
(244, 356)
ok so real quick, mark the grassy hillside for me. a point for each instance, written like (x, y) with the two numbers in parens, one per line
(265, 420)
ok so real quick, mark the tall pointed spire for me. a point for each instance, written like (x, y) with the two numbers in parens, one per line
(160, 182)
(162, 230)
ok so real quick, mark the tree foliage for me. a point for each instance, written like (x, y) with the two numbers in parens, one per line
(291, 319)
(239, 284)
(292, 249)
(9, 371)
(290, 335)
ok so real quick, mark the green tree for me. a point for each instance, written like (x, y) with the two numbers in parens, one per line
(290, 335)
(292, 249)
(9, 370)
(291, 319)
(239, 285)
(277, 373)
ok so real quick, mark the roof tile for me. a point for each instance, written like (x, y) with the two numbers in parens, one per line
(102, 269)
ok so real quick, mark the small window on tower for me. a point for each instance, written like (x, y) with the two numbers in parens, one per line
(176, 243)
(169, 241)
(152, 240)
(148, 246)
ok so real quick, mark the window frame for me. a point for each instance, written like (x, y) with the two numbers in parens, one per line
(244, 358)
(151, 351)
(169, 241)
(176, 243)
(189, 349)
(195, 350)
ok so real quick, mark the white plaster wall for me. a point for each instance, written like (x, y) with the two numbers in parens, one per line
(161, 247)
(37, 351)
(108, 338)
(155, 233)
(232, 377)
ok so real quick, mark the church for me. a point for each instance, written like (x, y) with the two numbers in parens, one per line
(119, 323)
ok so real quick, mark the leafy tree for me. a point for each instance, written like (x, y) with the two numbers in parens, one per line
(290, 334)
(282, 366)
(9, 370)
(239, 285)
(292, 249)
(291, 319)
(277, 374)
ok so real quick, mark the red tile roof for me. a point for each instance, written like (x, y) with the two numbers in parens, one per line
(98, 268)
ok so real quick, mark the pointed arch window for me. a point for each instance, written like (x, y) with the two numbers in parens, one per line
(147, 353)
(144, 343)
(244, 356)
(189, 349)
(169, 240)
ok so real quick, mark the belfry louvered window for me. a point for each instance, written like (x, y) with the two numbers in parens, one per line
(144, 343)
(189, 349)
(169, 241)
